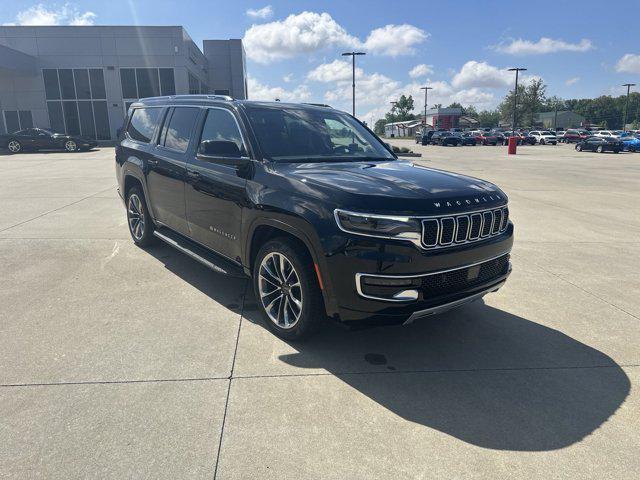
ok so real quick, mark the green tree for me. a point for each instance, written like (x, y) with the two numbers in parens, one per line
(401, 110)
(489, 118)
(379, 126)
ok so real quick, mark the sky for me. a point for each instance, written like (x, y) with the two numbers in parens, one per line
(581, 49)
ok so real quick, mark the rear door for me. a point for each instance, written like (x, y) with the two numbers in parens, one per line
(216, 183)
(167, 169)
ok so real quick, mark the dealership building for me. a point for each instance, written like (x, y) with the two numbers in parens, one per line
(81, 79)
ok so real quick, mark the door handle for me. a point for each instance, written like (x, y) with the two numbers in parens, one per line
(193, 174)
(152, 161)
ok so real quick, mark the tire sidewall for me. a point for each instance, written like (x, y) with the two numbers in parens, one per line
(74, 149)
(312, 307)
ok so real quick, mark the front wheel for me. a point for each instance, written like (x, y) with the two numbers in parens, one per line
(70, 146)
(138, 218)
(578, 147)
(599, 149)
(287, 289)
(14, 146)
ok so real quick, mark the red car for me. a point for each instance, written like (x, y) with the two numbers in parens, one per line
(486, 138)
(574, 136)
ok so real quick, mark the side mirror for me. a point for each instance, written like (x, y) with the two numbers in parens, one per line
(219, 148)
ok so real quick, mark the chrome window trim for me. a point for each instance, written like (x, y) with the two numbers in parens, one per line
(360, 275)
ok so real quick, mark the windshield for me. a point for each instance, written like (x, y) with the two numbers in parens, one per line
(546, 133)
(293, 134)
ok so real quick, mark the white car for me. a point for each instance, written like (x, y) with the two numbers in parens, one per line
(608, 133)
(544, 137)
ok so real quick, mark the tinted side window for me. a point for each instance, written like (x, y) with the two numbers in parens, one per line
(219, 131)
(143, 123)
(179, 129)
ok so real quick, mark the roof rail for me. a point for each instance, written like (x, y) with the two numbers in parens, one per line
(317, 104)
(191, 96)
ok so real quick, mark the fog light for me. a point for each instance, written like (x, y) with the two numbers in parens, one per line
(406, 295)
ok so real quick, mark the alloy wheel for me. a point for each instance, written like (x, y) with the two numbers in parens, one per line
(135, 216)
(70, 146)
(280, 290)
(14, 147)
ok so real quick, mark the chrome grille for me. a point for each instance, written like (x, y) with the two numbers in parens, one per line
(438, 232)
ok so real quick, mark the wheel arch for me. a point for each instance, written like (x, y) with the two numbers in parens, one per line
(264, 229)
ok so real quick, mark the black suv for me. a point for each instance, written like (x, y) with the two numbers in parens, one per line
(313, 206)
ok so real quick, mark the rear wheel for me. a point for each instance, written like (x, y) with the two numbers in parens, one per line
(138, 218)
(287, 289)
(599, 149)
(14, 146)
(578, 147)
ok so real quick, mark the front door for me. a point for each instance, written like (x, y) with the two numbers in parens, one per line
(216, 187)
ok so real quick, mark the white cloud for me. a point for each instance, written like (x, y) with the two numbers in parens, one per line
(481, 74)
(259, 91)
(543, 46)
(421, 70)
(629, 63)
(336, 71)
(295, 35)
(572, 81)
(394, 40)
(67, 14)
(287, 78)
(308, 32)
(261, 13)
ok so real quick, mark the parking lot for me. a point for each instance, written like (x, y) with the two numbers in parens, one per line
(122, 363)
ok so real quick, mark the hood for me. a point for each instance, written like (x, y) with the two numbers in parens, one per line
(394, 187)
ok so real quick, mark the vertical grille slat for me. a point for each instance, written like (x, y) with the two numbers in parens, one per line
(464, 228)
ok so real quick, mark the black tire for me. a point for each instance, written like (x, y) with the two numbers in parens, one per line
(312, 313)
(142, 235)
(616, 151)
(600, 149)
(578, 147)
(14, 146)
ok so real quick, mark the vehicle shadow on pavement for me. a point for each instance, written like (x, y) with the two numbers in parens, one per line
(480, 374)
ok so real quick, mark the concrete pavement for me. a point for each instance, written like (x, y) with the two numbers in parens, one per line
(122, 363)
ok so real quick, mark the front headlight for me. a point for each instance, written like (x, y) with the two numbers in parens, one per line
(381, 226)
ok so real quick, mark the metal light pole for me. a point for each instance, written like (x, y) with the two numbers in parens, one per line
(626, 107)
(393, 105)
(515, 97)
(353, 82)
(426, 89)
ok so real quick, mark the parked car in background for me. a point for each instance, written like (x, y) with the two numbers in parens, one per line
(501, 139)
(600, 144)
(424, 136)
(468, 138)
(574, 136)
(32, 139)
(446, 138)
(608, 133)
(630, 142)
(544, 137)
(486, 138)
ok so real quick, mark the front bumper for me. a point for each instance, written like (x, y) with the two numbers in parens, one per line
(376, 258)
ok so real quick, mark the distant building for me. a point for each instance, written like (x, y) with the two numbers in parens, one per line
(566, 119)
(402, 129)
(82, 79)
(443, 118)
